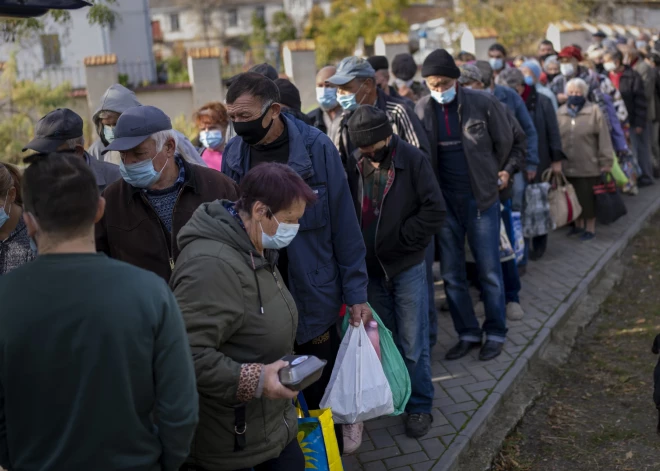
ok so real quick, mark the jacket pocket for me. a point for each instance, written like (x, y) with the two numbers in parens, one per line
(324, 275)
(316, 216)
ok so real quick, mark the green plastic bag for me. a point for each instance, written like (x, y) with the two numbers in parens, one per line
(619, 176)
(393, 364)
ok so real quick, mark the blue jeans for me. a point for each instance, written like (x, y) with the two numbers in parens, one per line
(517, 204)
(641, 148)
(433, 314)
(402, 304)
(483, 234)
(510, 274)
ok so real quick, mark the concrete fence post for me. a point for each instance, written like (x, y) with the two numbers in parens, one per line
(300, 66)
(391, 44)
(477, 41)
(205, 73)
(100, 73)
(564, 34)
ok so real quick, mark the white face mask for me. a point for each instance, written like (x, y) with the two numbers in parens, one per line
(609, 66)
(283, 236)
(567, 70)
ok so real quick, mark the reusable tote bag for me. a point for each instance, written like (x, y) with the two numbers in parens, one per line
(609, 203)
(537, 220)
(317, 439)
(564, 205)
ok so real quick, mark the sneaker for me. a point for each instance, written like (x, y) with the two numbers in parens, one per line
(514, 312)
(480, 309)
(587, 236)
(418, 425)
(352, 437)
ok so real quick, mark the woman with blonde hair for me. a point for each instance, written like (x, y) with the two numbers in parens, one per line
(212, 121)
(14, 240)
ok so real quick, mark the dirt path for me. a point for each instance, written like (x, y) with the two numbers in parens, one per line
(597, 411)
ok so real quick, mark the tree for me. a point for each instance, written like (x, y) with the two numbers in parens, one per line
(336, 36)
(314, 22)
(521, 24)
(283, 28)
(22, 103)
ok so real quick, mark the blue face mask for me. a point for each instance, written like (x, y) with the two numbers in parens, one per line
(444, 97)
(496, 63)
(348, 102)
(283, 236)
(529, 80)
(142, 174)
(211, 139)
(4, 216)
(326, 97)
(109, 133)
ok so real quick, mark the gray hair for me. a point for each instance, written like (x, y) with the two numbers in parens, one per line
(511, 78)
(76, 141)
(161, 137)
(581, 84)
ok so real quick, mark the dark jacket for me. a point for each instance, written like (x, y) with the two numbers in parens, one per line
(547, 129)
(632, 90)
(404, 123)
(409, 102)
(515, 103)
(487, 140)
(412, 208)
(104, 172)
(316, 118)
(517, 154)
(326, 259)
(236, 312)
(131, 231)
(297, 114)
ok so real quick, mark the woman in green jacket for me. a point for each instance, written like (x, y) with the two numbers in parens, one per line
(241, 320)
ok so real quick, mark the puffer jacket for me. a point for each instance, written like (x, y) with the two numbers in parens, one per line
(236, 312)
(586, 141)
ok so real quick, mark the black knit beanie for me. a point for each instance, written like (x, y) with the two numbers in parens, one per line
(404, 66)
(379, 62)
(368, 125)
(440, 62)
(289, 94)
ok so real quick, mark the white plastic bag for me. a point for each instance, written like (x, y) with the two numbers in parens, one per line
(358, 389)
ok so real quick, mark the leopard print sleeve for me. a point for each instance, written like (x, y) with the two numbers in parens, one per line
(248, 382)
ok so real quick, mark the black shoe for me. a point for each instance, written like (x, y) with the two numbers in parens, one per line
(461, 349)
(490, 350)
(575, 231)
(644, 181)
(444, 307)
(418, 425)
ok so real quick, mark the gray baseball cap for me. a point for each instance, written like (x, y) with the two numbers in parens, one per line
(351, 68)
(55, 129)
(136, 125)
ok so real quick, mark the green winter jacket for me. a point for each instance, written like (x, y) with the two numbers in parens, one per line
(236, 311)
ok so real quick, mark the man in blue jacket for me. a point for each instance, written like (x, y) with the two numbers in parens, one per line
(324, 266)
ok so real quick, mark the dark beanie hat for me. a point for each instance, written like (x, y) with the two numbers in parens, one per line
(266, 70)
(368, 125)
(379, 62)
(404, 66)
(440, 62)
(289, 94)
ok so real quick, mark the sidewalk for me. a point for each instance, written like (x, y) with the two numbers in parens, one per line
(468, 391)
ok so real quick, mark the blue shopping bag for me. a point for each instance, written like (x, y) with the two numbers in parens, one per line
(317, 439)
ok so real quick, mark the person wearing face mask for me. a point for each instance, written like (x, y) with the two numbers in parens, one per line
(114, 102)
(241, 320)
(381, 66)
(404, 69)
(356, 84)
(497, 58)
(399, 205)
(550, 69)
(632, 88)
(327, 117)
(14, 240)
(157, 195)
(532, 71)
(472, 160)
(586, 142)
(61, 130)
(324, 266)
(212, 121)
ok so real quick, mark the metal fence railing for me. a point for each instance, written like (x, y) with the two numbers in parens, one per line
(54, 75)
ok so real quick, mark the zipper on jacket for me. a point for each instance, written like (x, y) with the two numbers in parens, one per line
(446, 113)
(288, 429)
(382, 202)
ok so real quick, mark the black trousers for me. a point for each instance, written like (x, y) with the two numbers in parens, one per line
(325, 347)
(291, 459)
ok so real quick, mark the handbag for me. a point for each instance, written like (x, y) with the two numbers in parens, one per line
(609, 203)
(518, 238)
(394, 367)
(564, 205)
(317, 439)
(537, 220)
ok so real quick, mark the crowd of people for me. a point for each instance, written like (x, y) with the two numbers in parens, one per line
(152, 285)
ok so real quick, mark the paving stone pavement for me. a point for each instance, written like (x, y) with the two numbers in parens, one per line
(463, 386)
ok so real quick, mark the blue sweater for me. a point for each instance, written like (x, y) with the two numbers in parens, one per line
(510, 98)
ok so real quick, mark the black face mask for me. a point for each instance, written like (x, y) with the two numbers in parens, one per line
(600, 68)
(379, 155)
(551, 77)
(252, 132)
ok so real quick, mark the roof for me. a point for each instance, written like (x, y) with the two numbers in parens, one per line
(394, 38)
(483, 33)
(105, 59)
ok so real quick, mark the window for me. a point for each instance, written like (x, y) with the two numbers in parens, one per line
(261, 12)
(232, 17)
(50, 44)
(174, 22)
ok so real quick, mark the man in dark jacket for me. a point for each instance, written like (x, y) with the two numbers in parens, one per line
(62, 130)
(327, 117)
(471, 158)
(356, 83)
(105, 379)
(324, 265)
(404, 69)
(381, 66)
(399, 205)
(157, 195)
(631, 86)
